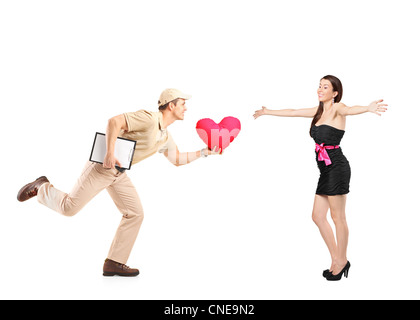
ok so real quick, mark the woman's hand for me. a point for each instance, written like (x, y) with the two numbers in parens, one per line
(377, 106)
(261, 112)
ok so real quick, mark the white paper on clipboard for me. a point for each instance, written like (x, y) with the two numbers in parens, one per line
(124, 150)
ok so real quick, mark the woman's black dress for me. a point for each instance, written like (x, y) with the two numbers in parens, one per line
(335, 177)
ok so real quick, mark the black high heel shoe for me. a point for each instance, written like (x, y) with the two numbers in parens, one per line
(326, 273)
(338, 276)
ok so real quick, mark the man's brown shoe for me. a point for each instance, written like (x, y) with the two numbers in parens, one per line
(31, 189)
(113, 268)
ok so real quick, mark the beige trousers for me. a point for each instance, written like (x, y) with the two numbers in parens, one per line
(94, 179)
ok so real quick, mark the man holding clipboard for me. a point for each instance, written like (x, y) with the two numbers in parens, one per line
(149, 131)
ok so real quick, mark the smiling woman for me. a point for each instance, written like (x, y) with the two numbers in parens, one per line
(327, 129)
(330, 89)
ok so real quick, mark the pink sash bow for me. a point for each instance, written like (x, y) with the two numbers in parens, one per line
(322, 152)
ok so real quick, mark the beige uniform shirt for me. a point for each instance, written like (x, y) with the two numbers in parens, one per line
(146, 128)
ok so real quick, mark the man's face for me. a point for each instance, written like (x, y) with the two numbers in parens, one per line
(179, 109)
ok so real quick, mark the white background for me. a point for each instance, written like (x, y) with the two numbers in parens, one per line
(236, 226)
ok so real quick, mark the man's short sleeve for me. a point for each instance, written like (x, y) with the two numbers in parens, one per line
(169, 146)
(138, 121)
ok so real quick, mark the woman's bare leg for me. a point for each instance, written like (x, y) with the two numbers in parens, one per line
(319, 216)
(338, 214)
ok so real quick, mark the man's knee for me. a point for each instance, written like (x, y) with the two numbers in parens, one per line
(69, 208)
(135, 214)
(69, 211)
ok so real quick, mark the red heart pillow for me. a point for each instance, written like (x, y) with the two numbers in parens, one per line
(218, 134)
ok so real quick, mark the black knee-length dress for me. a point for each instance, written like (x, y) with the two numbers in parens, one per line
(333, 165)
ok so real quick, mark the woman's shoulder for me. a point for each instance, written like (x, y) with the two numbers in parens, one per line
(340, 108)
(339, 105)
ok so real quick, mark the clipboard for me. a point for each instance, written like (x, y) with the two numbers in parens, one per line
(124, 150)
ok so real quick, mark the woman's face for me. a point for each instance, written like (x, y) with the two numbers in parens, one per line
(325, 91)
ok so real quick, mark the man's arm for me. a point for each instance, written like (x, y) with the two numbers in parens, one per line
(178, 159)
(181, 158)
(115, 125)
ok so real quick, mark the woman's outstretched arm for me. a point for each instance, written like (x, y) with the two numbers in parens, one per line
(306, 113)
(375, 107)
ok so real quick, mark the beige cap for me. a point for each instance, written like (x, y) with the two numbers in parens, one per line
(169, 95)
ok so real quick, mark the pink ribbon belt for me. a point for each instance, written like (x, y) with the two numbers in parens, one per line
(322, 152)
